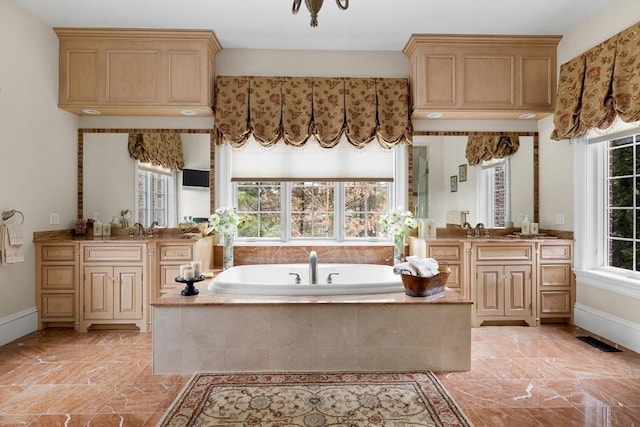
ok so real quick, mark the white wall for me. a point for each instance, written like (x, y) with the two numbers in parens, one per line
(37, 154)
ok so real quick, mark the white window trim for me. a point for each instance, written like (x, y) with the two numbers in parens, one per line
(172, 200)
(590, 242)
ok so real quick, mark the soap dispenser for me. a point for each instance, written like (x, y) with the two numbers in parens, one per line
(525, 225)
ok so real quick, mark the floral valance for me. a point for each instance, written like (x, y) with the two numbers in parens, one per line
(295, 108)
(158, 148)
(598, 85)
(486, 147)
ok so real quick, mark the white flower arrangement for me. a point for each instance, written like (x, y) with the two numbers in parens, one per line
(397, 222)
(224, 222)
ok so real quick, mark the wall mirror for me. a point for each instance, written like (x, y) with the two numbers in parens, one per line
(106, 173)
(437, 157)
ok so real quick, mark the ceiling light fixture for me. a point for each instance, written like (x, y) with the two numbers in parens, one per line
(314, 7)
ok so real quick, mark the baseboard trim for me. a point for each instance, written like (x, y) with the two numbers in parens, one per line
(607, 326)
(18, 325)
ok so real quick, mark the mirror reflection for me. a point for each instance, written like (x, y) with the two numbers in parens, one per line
(113, 182)
(446, 190)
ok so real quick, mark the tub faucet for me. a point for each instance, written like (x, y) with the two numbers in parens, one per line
(313, 268)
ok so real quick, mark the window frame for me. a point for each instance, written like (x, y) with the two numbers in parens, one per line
(170, 201)
(590, 192)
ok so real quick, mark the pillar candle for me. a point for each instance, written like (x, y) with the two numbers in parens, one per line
(197, 268)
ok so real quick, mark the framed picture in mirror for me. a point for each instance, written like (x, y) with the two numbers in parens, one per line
(454, 183)
(462, 172)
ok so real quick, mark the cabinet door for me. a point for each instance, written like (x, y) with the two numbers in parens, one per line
(489, 290)
(98, 293)
(517, 290)
(127, 293)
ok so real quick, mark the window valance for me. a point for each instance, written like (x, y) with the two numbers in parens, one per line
(486, 147)
(158, 148)
(295, 108)
(599, 85)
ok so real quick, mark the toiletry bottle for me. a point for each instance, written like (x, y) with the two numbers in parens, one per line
(525, 225)
(97, 227)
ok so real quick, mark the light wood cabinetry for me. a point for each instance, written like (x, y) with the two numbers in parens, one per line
(136, 72)
(444, 251)
(503, 283)
(170, 257)
(499, 77)
(557, 284)
(56, 283)
(113, 288)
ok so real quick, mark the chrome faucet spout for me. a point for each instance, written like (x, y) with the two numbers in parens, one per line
(313, 268)
(479, 228)
(468, 228)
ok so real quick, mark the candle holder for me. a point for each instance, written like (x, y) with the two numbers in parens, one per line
(189, 289)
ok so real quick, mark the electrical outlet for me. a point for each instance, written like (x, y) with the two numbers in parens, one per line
(54, 218)
(559, 218)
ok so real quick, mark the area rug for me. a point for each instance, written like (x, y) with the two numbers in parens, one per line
(314, 399)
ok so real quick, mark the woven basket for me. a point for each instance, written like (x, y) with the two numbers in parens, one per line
(424, 286)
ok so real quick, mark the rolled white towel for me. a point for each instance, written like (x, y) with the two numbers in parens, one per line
(426, 267)
(405, 268)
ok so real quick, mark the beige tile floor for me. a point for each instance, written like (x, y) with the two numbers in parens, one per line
(520, 377)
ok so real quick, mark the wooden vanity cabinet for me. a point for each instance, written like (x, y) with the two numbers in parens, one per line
(444, 251)
(56, 284)
(170, 257)
(472, 76)
(503, 283)
(556, 291)
(136, 72)
(113, 288)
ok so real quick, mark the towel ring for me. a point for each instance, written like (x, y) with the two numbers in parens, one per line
(7, 215)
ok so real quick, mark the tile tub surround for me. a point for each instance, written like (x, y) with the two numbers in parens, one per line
(223, 332)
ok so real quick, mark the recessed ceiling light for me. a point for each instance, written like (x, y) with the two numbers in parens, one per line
(187, 112)
(434, 115)
(527, 116)
(91, 111)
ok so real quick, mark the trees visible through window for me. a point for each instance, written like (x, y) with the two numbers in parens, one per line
(313, 209)
(623, 203)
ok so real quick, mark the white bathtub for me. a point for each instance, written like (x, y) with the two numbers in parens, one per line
(276, 279)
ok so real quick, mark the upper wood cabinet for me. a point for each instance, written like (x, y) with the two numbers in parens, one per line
(482, 77)
(136, 72)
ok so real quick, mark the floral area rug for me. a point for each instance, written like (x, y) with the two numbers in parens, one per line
(314, 399)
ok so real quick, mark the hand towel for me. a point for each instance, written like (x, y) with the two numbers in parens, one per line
(15, 234)
(404, 268)
(10, 253)
(426, 267)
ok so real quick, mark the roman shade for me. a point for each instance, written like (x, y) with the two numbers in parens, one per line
(293, 109)
(486, 147)
(157, 148)
(599, 85)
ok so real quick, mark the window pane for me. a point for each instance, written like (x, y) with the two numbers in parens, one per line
(621, 254)
(621, 223)
(312, 205)
(621, 192)
(259, 203)
(364, 203)
(622, 161)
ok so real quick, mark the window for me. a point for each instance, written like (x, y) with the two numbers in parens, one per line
(622, 203)
(315, 209)
(156, 195)
(494, 182)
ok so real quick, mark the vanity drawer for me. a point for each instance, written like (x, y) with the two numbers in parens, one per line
(54, 253)
(444, 252)
(57, 306)
(555, 302)
(176, 252)
(555, 252)
(504, 253)
(58, 277)
(555, 275)
(109, 253)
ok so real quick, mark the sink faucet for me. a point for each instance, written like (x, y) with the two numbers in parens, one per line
(467, 227)
(479, 229)
(140, 228)
(313, 268)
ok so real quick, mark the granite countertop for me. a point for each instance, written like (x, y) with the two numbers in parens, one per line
(206, 297)
(118, 236)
